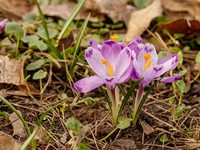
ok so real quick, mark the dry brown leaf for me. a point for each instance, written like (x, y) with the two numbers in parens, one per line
(17, 124)
(146, 128)
(10, 71)
(64, 11)
(7, 142)
(13, 9)
(141, 19)
(115, 9)
(192, 7)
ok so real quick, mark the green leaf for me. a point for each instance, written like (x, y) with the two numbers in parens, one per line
(35, 65)
(30, 38)
(41, 45)
(181, 86)
(178, 35)
(14, 28)
(176, 49)
(162, 54)
(164, 138)
(70, 19)
(198, 40)
(73, 125)
(179, 111)
(141, 3)
(42, 33)
(171, 100)
(197, 59)
(39, 75)
(180, 59)
(124, 123)
(183, 72)
(82, 146)
(30, 17)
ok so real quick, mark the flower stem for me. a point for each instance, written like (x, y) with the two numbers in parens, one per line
(113, 94)
(136, 104)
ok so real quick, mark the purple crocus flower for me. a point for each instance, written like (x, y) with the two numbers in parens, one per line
(111, 62)
(3, 23)
(147, 66)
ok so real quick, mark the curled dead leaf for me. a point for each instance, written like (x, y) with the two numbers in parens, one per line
(64, 11)
(13, 9)
(141, 19)
(18, 126)
(192, 7)
(7, 142)
(10, 71)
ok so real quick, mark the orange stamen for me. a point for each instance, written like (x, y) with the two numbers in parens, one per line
(148, 61)
(114, 37)
(109, 67)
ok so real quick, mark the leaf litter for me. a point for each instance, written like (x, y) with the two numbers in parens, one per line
(157, 113)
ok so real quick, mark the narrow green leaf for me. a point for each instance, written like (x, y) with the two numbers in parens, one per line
(78, 43)
(70, 19)
(141, 104)
(129, 93)
(43, 19)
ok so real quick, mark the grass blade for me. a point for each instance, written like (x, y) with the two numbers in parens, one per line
(130, 91)
(141, 104)
(21, 118)
(70, 19)
(43, 19)
(26, 143)
(78, 43)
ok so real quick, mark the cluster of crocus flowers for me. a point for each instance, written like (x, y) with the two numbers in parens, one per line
(3, 23)
(114, 63)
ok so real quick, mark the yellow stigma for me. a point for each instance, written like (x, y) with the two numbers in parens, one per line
(148, 61)
(109, 67)
(103, 61)
(114, 37)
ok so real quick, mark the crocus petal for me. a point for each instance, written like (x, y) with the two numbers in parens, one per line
(94, 59)
(136, 45)
(171, 79)
(126, 76)
(169, 63)
(88, 84)
(110, 50)
(2, 23)
(122, 62)
(147, 49)
(94, 44)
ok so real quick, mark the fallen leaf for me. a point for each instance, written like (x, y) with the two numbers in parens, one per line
(10, 71)
(7, 142)
(141, 19)
(192, 7)
(146, 128)
(17, 124)
(182, 26)
(13, 9)
(64, 11)
(120, 144)
(117, 10)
